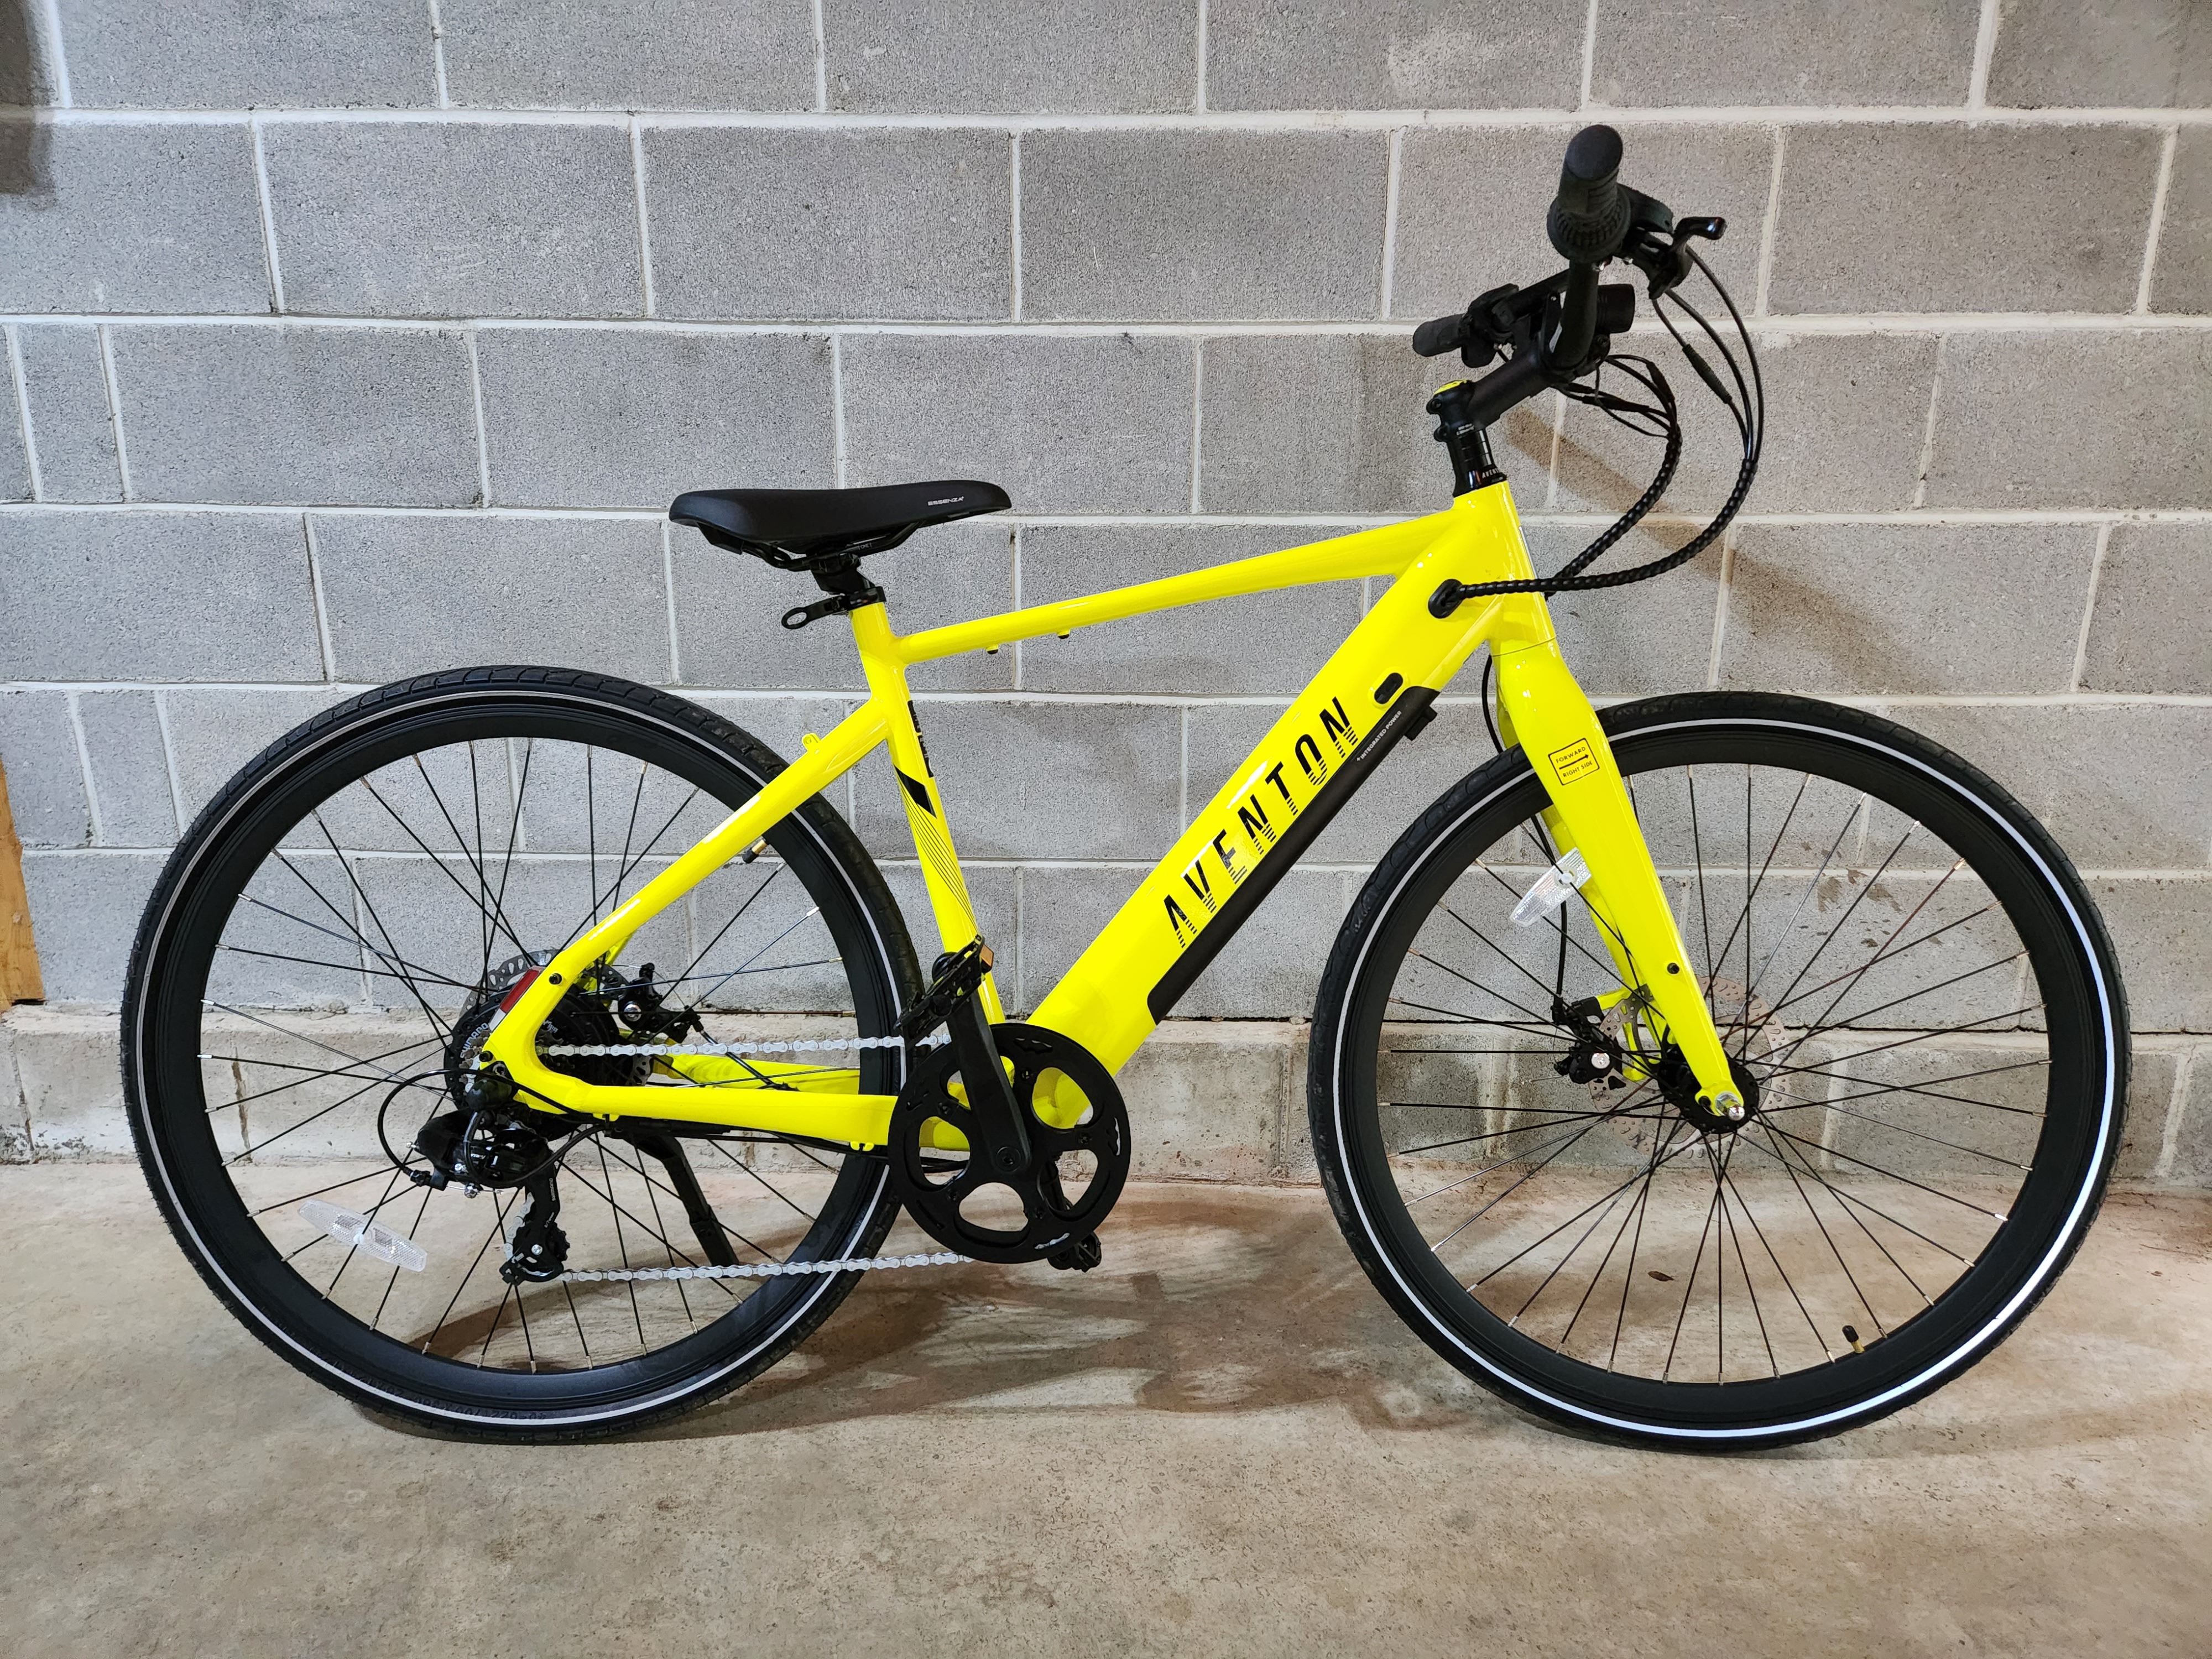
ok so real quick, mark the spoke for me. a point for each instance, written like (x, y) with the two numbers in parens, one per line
(346, 1100)
(1618, 1109)
(1698, 854)
(1597, 1221)
(353, 933)
(1788, 1284)
(1886, 956)
(1539, 1053)
(1751, 893)
(676, 1257)
(1704, 1232)
(1566, 1140)
(352, 928)
(1811, 1032)
(1844, 1195)
(463, 1285)
(377, 1318)
(301, 1036)
(297, 1198)
(1936, 1192)
(351, 936)
(578, 1317)
(437, 1025)
(660, 1231)
(646, 1174)
(1455, 1018)
(1533, 1173)
(483, 881)
(1872, 882)
(495, 918)
(1924, 1088)
(1606, 1199)
(1806, 1197)
(1797, 910)
(623, 873)
(311, 1075)
(776, 1191)
(499, 1229)
(622, 863)
(742, 967)
(1777, 1070)
(513, 832)
(522, 1313)
(1859, 1222)
(1659, 1143)
(483, 887)
(1635, 1242)
(1743, 1266)
(340, 967)
(1519, 1129)
(736, 916)
(1516, 967)
(622, 1244)
(2010, 1164)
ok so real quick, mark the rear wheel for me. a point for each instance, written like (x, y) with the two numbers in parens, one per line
(332, 937)
(1916, 990)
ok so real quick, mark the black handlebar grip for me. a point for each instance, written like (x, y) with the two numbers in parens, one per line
(1439, 334)
(1589, 218)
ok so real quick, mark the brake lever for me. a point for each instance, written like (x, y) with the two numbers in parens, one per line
(1661, 252)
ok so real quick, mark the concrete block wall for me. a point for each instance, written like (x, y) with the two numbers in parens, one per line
(375, 339)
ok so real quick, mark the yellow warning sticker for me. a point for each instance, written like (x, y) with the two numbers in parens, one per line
(1574, 762)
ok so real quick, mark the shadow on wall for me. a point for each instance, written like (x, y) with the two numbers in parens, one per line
(23, 140)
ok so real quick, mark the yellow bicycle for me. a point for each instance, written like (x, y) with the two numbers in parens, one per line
(534, 1055)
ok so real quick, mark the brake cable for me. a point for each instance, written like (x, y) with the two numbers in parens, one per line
(1747, 408)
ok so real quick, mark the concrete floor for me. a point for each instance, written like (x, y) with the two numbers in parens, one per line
(1220, 1442)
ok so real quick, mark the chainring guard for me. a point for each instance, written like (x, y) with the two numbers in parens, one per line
(935, 1184)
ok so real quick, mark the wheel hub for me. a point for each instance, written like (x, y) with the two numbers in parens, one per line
(1678, 1086)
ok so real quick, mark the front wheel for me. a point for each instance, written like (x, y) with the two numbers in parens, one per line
(1907, 972)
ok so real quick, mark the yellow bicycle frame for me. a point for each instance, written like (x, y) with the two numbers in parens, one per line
(1376, 688)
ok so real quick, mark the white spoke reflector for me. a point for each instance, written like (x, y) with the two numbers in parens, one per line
(348, 1227)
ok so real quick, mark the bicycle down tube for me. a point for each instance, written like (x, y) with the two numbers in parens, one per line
(1374, 691)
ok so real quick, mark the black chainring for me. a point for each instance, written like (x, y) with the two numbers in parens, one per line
(933, 1184)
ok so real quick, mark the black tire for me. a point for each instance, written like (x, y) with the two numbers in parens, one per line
(193, 917)
(2054, 1115)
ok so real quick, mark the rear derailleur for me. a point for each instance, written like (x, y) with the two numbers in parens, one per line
(489, 1141)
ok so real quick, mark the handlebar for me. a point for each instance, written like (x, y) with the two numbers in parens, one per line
(1560, 329)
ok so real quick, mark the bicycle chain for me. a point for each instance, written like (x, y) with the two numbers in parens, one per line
(732, 1050)
(771, 1269)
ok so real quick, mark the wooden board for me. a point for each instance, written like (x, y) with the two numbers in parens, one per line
(19, 958)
